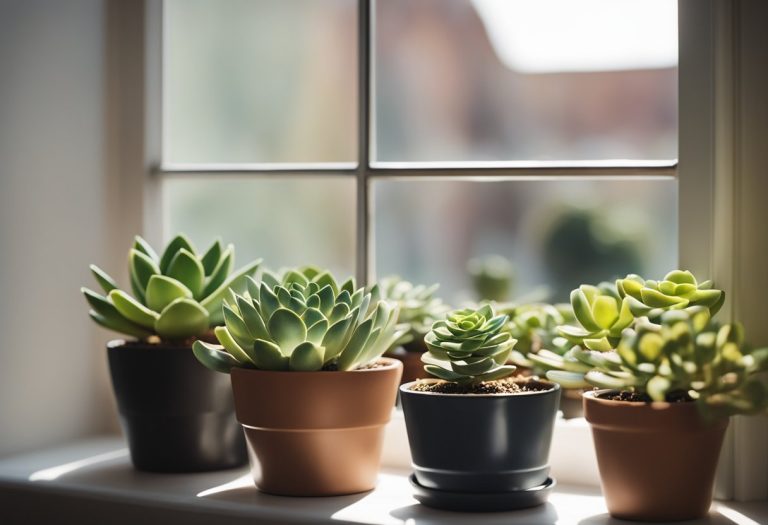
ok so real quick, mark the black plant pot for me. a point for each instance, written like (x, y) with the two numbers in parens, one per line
(177, 415)
(480, 443)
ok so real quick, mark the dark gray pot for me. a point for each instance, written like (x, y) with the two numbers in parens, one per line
(480, 443)
(177, 415)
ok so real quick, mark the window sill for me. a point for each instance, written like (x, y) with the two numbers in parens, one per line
(93, 481)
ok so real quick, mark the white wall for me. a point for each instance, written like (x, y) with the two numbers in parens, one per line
(53, 382)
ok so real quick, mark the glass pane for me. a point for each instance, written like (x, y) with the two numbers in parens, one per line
(266, 81)
(484, 80)
(557, 234)
(287, 221)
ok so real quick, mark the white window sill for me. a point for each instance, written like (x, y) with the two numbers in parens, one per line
(92, 481)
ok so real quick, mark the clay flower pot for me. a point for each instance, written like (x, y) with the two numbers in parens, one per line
(315, 433)
(657, 461)
(177, 415)
(480, 443)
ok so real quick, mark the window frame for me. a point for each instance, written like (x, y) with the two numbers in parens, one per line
(708, 158)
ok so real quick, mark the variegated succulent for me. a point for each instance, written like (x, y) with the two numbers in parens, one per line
(683, 357)
(602, 314)
(419, 309)
(469, 346)
(303, 321)
(176, 295)
(679, 289)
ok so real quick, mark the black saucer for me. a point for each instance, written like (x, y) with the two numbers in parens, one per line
(481, 501)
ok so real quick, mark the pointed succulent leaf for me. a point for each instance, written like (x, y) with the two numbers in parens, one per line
(142, 268)
(236, 281)
(268, 356)
(163, 290)
(119, 324)
(211, 257)
(143, 246)
(188, 270)
(582, 308)
(237, 327)
(177, 243)
(216, 277)
(233, 348)
(252, 319)
(286, 329)
(348, 356)
(336, 338)
(214, 357)
(105, 281)
(316, 332)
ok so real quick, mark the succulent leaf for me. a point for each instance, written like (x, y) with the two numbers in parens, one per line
(105, 281)
(181, 319)
(163, 290)
(133, 310)
(213, 357)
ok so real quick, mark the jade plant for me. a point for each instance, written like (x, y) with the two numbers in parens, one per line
(175, 296)
(303, 321)
(679, 289)
(685, 357)
(469, 346)
(419, 309)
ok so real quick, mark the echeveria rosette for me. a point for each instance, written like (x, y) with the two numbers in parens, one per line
(683, 356)
(419, 308)
(469, 346)
(175, 296)
(679, 289)
(304, 321)
(602, 313)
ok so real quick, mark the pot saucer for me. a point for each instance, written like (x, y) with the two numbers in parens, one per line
(479, 501)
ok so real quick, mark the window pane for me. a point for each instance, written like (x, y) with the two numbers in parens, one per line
(556, 233)
(288, 222)
(266, 81)
(466, 80)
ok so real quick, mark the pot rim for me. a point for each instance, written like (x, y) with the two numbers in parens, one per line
(591, 397)
(118, 343)
(406, 388)
(390, 364)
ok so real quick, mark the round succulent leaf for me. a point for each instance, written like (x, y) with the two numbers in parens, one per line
(340, 311)
(572, 333)
(680, 277)
(582, 308)
(213, 357)
(230, 344)
(497, 373)
(603, 380)
(656, 299)
(132, 310)
(336, 338)
(568, 379)
(631, 285)
(442, 373)
(600, 344)
(325, 278)
(317, 331)
(268, 356)
(307, 357)
(186, 268)
(667, 287)
(287, 329)
(171, 250)
(181, 319)
(163, 290)
(658, 387)
(605, 311)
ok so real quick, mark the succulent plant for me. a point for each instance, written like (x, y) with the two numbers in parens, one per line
(419, 308)
(492, 277)
(469, 346)
(534, 327)
(684, 357)
(176, 296)
(602, 314)
(303, 321)
(679, 289)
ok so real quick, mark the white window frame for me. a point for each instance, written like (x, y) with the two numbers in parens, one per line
(722, 52)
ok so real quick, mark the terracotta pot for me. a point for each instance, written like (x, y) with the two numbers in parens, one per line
(480, 443)
(571, 404)
(413, 368)
(315, 433)
(177, 415)
(657, 461)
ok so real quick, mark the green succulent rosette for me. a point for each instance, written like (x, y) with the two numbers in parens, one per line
(602, 313)
(534, 327)
(679, 289)
(303, 321)
(175, 296)
(469, 346)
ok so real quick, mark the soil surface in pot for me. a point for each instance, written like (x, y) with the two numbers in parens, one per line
(500, 386)
(185, 344)
(635, 397)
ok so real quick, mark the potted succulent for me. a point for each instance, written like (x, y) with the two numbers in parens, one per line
(667, 391)
(492, 277)
(535, 327)
(479, 439)
(419, 308)
(312, 391)
(177, 415)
